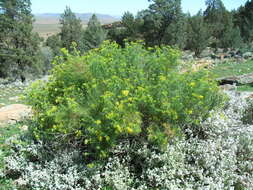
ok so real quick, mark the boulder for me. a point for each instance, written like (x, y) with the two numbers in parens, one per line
(206, 53)
(187, 56)
(227, 87)
(231, 80)
(219, 50)
(238, 80)
(247, 55)
(245, 79)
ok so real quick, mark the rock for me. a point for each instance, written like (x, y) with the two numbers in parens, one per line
(246, 79)
(247, 55)
(232, 53)
(227, 56)
(219, 50)
(206, 53)
(228, 87)
(186, 56)
(238, 52)
(238, 80)
(248, 95)
(214, 56)
(232, 80)
(237, 56)
(4, 81)
(14, 113)
(45, 78)
(202, 63)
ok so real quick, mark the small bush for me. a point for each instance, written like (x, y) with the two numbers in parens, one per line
(112, 93)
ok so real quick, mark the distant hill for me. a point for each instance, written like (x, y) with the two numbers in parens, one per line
(53, 18)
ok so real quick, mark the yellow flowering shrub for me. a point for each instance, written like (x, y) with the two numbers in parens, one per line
(113, 93)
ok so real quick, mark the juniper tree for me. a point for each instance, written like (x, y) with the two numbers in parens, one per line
(244, 20)
(19, 46)
(163, 23)
(71, 29)
(94, 34)
(197, 38)
(221, 26)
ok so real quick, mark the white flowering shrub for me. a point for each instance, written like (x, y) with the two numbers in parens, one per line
(221, 159)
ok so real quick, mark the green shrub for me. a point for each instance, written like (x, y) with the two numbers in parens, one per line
(113, 93)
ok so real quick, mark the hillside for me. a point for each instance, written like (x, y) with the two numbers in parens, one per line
(53, 18)
(47, 24)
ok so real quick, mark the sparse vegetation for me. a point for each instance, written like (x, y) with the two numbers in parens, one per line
(232, 69)
(46, 30)
(10, 95)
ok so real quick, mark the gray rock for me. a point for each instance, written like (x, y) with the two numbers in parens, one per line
(188, 57)
(246, 79)
(238, 80)
(228, 87)
(219, 50)
(4, 81)
(206, 53)
(247, 55)
(231, 80)
(214, 56)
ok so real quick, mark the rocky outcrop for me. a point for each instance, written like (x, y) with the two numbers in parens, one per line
(237, 80)
(247, 55)
(218, 55)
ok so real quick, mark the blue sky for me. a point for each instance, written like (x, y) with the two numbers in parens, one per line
(116, 7)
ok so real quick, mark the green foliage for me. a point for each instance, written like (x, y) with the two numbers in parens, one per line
(73, 33)
(47, 56)
(55, 43)
(232, 69)
(19, 46)
(244, 20)
(112, 93)
(221, 27)
(71, 30)
(117, 34)
(163, 23)
(197, 39)
(131, 26)
(94, 34)
(128, 30)
(245, 88)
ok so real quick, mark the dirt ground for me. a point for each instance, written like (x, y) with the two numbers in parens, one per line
(13, 113)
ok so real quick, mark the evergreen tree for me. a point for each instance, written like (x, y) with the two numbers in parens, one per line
(244, 20)
(55, 43)
(175, 33)
(198, 35)
(221, 26)
(19, 46)
(94, 34)
(163, 22)
(71, 29)
(231, 36)
(117, 34)
(131, 27)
